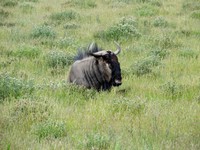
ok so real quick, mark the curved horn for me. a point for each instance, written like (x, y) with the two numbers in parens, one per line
(99, 54)
(118, 48)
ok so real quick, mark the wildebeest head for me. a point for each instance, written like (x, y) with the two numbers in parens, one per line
(110, 60)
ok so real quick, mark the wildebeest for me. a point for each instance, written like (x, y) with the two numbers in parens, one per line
(96, 68)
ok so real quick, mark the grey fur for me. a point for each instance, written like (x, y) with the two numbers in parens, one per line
(94, 71)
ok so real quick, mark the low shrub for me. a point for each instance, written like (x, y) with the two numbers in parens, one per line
(160, 22)
(125, 29)
(43, 31)
(49, 129)
(13, 87)
(145, 65)
(58, 59)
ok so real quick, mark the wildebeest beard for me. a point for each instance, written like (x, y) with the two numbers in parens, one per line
(116, 70)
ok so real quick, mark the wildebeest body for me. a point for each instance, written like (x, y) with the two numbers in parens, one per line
(100, 70)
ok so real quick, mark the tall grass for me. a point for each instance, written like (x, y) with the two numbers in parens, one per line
(157, 105)
(43, 31)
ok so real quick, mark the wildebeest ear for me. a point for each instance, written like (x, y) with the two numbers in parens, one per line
(93, 47)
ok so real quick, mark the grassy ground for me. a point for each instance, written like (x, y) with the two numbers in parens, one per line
(156, 107)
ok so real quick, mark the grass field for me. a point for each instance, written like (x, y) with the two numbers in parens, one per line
(156, 107)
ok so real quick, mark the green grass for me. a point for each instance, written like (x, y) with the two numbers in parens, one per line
(58, 58)
(49, 129)
(65, 16)
(146, 10)
(160, 22)
(126, 28)
(12, 87)
(145, 65)
(4, 14)
(43, 31)
(156, 107)
(196, 14)
(26, 51)
(83, 4)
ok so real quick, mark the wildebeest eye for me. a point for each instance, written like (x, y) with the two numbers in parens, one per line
(107, 57)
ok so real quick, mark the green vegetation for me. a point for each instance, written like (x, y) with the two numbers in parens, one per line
(43, 31)
(12, 87)
(82, 4)
(63, 16)
(26, 7)
(58, 58)
(27, 51)
(196, 14)
(97, 141)
(49, 129)
(145, 66)
(126, 28)
(156, 107)
(188, 53)
(8, 3)
(146, 10)
(4, 14)
(160, 22)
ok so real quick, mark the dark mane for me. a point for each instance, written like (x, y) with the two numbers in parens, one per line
(85, 52)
